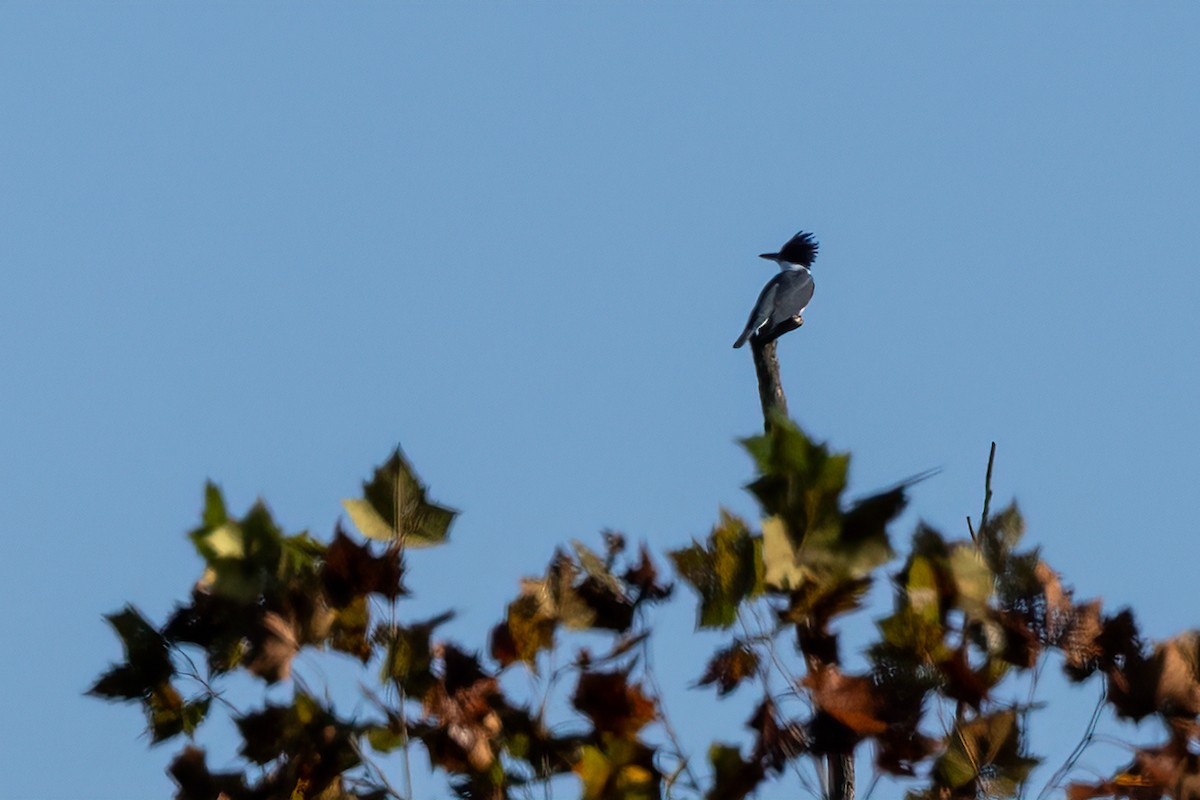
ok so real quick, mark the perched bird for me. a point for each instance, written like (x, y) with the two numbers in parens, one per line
(785, 296)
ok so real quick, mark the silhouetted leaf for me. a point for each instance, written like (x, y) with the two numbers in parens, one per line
(644, 577)
(148, 663)
(394, 506)
(218, 624)
(527, 738)
(195, 782)
(306, 745)
(165, 709)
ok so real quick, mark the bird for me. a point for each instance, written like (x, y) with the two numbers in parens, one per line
(784, 298)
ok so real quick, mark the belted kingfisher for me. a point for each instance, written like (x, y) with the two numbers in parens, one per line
(785, 296)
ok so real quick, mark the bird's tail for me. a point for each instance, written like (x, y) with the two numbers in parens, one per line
(742, 339)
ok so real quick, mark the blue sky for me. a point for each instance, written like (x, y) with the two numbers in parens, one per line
(264, 243)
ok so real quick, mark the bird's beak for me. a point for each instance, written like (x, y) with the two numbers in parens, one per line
(770, 256)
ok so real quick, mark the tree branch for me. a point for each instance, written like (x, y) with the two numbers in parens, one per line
(839, 767)
(770, 388)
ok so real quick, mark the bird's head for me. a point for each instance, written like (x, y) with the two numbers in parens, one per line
(800, 251)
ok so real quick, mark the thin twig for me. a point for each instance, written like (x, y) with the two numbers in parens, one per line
(376, 772)
(987, 489)
(672, 736)
(764, 676)
(213, 693)
(1025, 712)
(1089, 736)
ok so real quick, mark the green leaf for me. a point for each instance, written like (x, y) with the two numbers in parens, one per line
(986, 746)
(244, 557)
(801, 481)
(348, 633)
(973, 581)
(1000, 535)
(385, 738)
(618, 769)
(214, 506)
(409, 656)
(807, 536)
(165, 709)
(733, 777)
(194, 713)
(725, 571)
(394, 507)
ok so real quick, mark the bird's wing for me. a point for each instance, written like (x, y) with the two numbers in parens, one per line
(795, 292)
(791, 298)
(762, 311)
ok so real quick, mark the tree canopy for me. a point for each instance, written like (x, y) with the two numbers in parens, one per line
(932, 702)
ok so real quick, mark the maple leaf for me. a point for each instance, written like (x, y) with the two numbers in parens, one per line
(851, 700)
(729, 667)
(465, 705)
(618, 769)
(147, 659)
(350, 571)
(409, 657)
(273, 643)
(612, 703)
(725, 571)
(986, 752)
(644, 577)
(190, 772)
(394, 507)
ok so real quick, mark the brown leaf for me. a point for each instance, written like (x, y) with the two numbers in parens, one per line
(612, 703)
(729, 667)
(1154, 772)
(644, 577)
(1178, 662)
(963, 683)
(1080, 643)
(777, 742)
(1058, 601)
(528, 628)
(465, 705)
(851, 700)
(351, 570)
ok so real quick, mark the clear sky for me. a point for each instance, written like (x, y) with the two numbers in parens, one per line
(263, 243)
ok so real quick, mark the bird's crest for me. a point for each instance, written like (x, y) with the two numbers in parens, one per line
(800, 249)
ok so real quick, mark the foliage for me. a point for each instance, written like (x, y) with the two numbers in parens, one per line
(931, 700)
